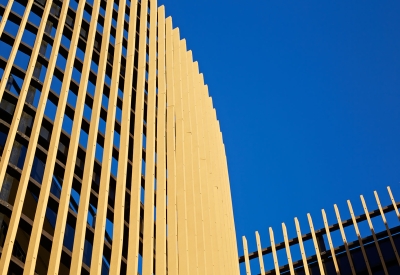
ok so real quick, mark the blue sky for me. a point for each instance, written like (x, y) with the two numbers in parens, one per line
(308, 96)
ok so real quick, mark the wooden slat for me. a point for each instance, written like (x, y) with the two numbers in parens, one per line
(359, 237)
(191, 203)
(332, 249)
(275, 257)
(303, 253)
(193, 74)
(183, 247)
(171, 159)
(215, 188)
(316, 246)
(387, 227)
(231, 220)
(287, 247)
(209, 251)
(219, 197)
(207, 108)
(246, 256)
(344, 239)
(4, 18)
(260, 257)
(371, 227)
(225, 198)
(393, 202)
(161, 202)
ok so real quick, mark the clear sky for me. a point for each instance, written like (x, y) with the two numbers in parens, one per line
(308, 97)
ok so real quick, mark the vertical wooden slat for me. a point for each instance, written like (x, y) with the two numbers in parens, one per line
(171, 159)
(344, 239)
(101, 215)
(161, 210)
(371, 227)
(246, 256)
(134, 216)
(148, 219)
(303, 253)
(209, 251)
(287, 247)
(214, 188)
(234, 251)
(225, 198)
(328, 235)
(81, 223)
(387, 227)
(359, 237)
(180, 165)
(197, 181)
(19, 200)
(219, 194)
(316, 246)
(393, 202)
(210, 180)
(4, 18)
(119, 207)
(10, 63)
(186, 72)
(260, 256)
(275, 257)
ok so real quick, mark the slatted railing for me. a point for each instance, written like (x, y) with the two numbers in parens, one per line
(329, 260)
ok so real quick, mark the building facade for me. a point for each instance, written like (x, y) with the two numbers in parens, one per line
(112, 159)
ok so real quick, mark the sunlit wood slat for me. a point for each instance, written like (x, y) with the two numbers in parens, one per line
(344, 239)
(393, 202)
(171, 159)
(332, 249)
(275, 257)
(359, 237)
(161, 200)
(4, 18)
(246, 256)
(303, 253)
(316, 246)
(387, 227)
(371, 227)
(287, 248)
(260, 257)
